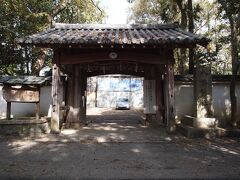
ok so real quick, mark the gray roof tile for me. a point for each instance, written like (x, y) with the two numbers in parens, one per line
(101, 34)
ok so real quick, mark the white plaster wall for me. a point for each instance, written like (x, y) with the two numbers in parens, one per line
(222, 103)
(28, 109)
(183, 101)
(108, 99)
(221, 100)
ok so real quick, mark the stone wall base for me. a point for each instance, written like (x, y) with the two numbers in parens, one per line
(24, 127)
(203, 123)
(210, 133)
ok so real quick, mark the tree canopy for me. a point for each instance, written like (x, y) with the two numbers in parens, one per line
(211, 18)
(25, 17)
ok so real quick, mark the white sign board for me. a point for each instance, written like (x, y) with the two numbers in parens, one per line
(149, 96)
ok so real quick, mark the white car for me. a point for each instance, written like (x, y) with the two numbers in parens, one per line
(122, 103)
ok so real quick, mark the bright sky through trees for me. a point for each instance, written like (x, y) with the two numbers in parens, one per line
(116, 11)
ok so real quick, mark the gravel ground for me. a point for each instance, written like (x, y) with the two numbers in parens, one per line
(116, 146)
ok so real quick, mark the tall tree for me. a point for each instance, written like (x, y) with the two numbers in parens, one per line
(230, 11)
(191, 29)
(160, 11)
(21, 18)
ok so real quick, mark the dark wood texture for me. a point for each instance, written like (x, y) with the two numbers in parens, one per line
(57, 94)
(37, 111)
(149, 75)
(90, 57)
(23, 94)
(169, 90)
(76, 97)
(160, 94)
(8, 114)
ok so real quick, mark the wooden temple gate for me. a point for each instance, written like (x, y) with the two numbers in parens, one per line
(82, 50)
(82, 64)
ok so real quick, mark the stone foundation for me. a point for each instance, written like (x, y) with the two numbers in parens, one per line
(204, 123)
(24, 127)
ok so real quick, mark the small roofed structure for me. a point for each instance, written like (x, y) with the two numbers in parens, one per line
(28, 91)
(94, 49)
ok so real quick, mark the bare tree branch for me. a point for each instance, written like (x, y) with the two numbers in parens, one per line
(96, 6)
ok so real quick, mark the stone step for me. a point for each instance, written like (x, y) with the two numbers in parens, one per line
(199, 122)
(193, 132)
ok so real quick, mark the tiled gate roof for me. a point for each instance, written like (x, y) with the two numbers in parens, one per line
(100, 34)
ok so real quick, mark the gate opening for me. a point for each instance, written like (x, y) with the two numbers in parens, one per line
(115, 99)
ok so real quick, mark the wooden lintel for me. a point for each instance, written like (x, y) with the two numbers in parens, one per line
(115, 56)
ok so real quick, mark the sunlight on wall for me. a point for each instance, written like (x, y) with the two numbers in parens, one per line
(104, 91)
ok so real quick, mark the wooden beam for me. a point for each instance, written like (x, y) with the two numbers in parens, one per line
(56, 94)
(37, 111)
(83, 98)
(90, 57)
(8, 114)
(149, 74)
(159, 94)
(73, 94)
(76, 97)
(38, 105)
(169, 90)
(97, 73)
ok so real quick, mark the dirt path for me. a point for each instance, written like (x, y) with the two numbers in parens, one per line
(118, 147)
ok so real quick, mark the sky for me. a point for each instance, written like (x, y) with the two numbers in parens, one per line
(116, 11)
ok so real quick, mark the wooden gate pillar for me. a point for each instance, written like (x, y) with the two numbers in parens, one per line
(83, 94)
(57, 94)
(169, 92)
(76, 96)
(159, 94)
(149, 74)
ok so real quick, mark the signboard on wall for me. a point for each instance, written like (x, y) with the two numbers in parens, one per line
(149, 89)
(30, 95)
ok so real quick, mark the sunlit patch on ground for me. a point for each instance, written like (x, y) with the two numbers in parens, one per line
(116, 146)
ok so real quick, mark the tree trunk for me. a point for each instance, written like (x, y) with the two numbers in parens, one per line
(235, 67)
(191, 29)
(233, 96)
(183, 52)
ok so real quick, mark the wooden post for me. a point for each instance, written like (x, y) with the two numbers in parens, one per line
(73, 95)
(83, 98)
(76, 95)
(37, 110)
(37, 106)
(56, 94)
(8, 114)
(159, 95)
(170, 107)
(149, 75)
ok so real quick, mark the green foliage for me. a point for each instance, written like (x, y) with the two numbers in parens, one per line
(83, 11)
(210, 19)
(152, 11)
(19, 18)
(24, 17)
